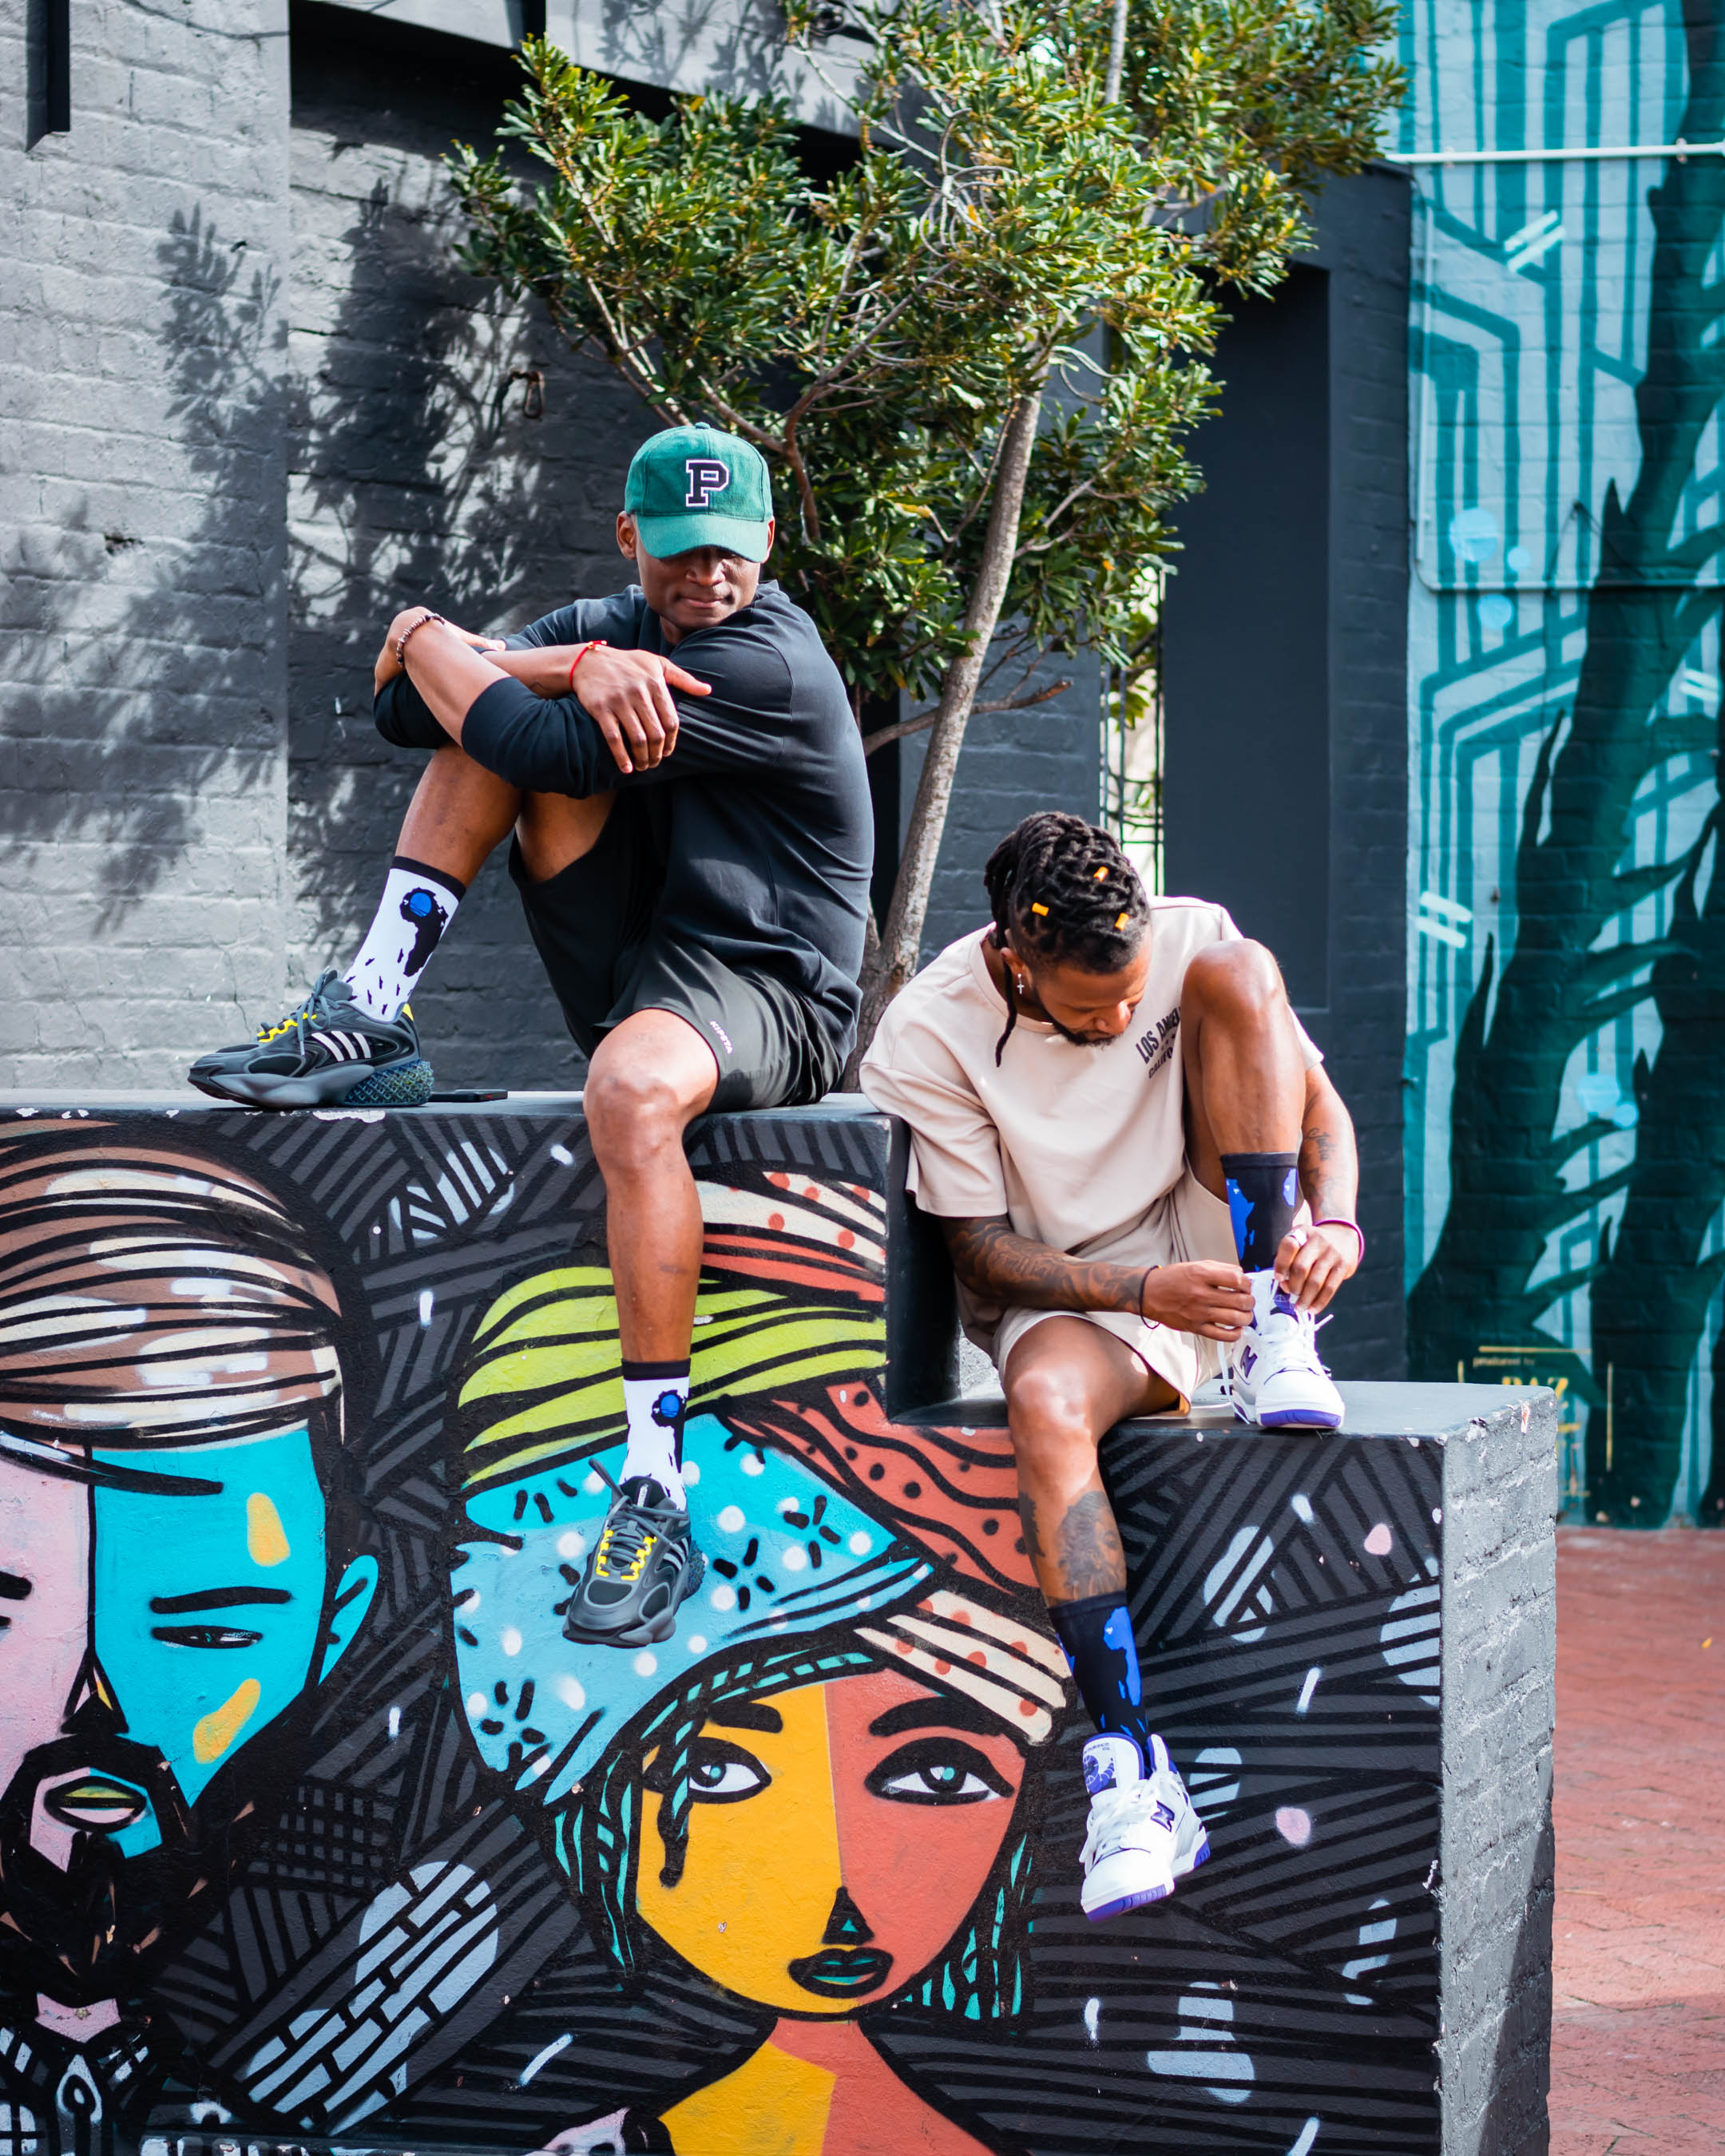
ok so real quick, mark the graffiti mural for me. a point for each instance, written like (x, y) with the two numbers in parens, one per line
(315, 1829)
(1566, 1136)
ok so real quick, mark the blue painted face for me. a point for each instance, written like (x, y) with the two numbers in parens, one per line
(206, 1610)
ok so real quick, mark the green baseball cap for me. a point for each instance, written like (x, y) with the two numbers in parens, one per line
(695, 486)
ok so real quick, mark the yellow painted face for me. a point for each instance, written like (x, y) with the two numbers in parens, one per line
(838, 1837)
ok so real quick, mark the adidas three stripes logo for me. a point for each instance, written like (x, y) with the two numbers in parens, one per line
(345, 1047)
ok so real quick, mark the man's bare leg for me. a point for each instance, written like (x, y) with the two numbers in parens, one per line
(1247, 1102)
(651, 1077)
(1067, 1384)
(1245, 1077)
(459, 814)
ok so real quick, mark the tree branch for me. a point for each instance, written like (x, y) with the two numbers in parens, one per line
(923, 720)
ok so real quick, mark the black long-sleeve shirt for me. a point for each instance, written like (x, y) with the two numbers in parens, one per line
(770, 833)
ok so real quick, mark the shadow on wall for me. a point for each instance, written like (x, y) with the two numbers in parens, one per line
(133, 706)
(445, 448)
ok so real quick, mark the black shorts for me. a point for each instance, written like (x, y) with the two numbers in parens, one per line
(593, 925)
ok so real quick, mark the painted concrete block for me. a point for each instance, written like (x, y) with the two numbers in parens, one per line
(315, 1831)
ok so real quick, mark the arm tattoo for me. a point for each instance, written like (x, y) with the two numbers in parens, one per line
(1003, 1267)
(1329, 1166)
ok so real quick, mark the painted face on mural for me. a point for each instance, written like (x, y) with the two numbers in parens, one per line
(169, 1593)
(153, 1638)
(838, 1835)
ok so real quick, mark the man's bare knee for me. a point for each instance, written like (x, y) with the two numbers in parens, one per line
(1050, 1411)
(1234, 980)
(632, 1112)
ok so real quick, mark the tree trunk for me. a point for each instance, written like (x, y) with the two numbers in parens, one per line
(901, 939)
(1117, 52)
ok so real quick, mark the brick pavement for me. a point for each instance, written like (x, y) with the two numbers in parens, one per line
(1638, 2057)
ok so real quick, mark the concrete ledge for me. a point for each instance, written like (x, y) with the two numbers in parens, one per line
(435, 1925)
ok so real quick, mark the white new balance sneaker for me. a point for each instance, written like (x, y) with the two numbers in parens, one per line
(1144, 1834)
(1277, 1381)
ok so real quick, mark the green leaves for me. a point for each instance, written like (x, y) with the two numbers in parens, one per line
(1002, 220)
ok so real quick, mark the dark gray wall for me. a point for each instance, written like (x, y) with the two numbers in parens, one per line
(1285, 647)
(1012, 763)
(417, 474)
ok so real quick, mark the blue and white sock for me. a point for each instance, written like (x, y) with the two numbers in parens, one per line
(655, 1397)
(1263, 1196)
(1097, 1635)
(418, 905)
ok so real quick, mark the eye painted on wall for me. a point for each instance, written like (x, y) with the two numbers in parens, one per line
(719, 1772)
(936, 1770)
(211, 1598)
(204, 1636)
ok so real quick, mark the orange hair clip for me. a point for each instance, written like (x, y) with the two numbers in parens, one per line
(1037, 906)
(1120, 920)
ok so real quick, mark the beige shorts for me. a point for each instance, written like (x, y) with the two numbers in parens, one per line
(1188, 1223)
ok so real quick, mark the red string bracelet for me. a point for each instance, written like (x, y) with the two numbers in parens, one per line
(598, 643)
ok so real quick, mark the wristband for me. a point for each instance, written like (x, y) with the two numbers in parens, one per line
(598, 643)
(1359, 1231)
(412, 630)
(1144, 1283)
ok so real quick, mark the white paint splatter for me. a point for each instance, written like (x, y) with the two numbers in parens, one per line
(646, 1664)
(510, 1640)
(732, 1520)
(571, 1692)
(1307, 1689)
(1380, 1541)
(1294, 1826)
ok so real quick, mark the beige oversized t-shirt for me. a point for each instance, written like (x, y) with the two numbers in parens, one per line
(1081, 1148)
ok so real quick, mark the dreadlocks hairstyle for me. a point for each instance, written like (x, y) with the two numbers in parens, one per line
(1069, 896)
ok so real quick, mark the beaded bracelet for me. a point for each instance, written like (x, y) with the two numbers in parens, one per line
(412, 630)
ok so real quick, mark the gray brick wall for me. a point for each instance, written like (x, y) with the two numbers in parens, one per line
(142, 677)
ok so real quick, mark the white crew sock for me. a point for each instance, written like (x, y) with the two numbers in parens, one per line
(418, 905)
(656, 1397)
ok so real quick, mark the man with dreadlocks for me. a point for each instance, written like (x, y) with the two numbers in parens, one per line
(1115, 1115)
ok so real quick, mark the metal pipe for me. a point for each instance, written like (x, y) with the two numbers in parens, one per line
(1681, 150)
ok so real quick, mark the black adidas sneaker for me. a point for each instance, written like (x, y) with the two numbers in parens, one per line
(330, 1052)
(644, 1568)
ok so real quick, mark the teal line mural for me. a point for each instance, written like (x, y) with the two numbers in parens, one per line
(1566, 1130)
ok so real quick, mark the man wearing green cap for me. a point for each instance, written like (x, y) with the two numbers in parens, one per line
(692, 840)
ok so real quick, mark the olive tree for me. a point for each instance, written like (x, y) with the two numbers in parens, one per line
(974, 357)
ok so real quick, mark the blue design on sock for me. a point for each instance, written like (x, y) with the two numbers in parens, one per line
(1239, 1212)
(1117, 1633)
(1097, 1636)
